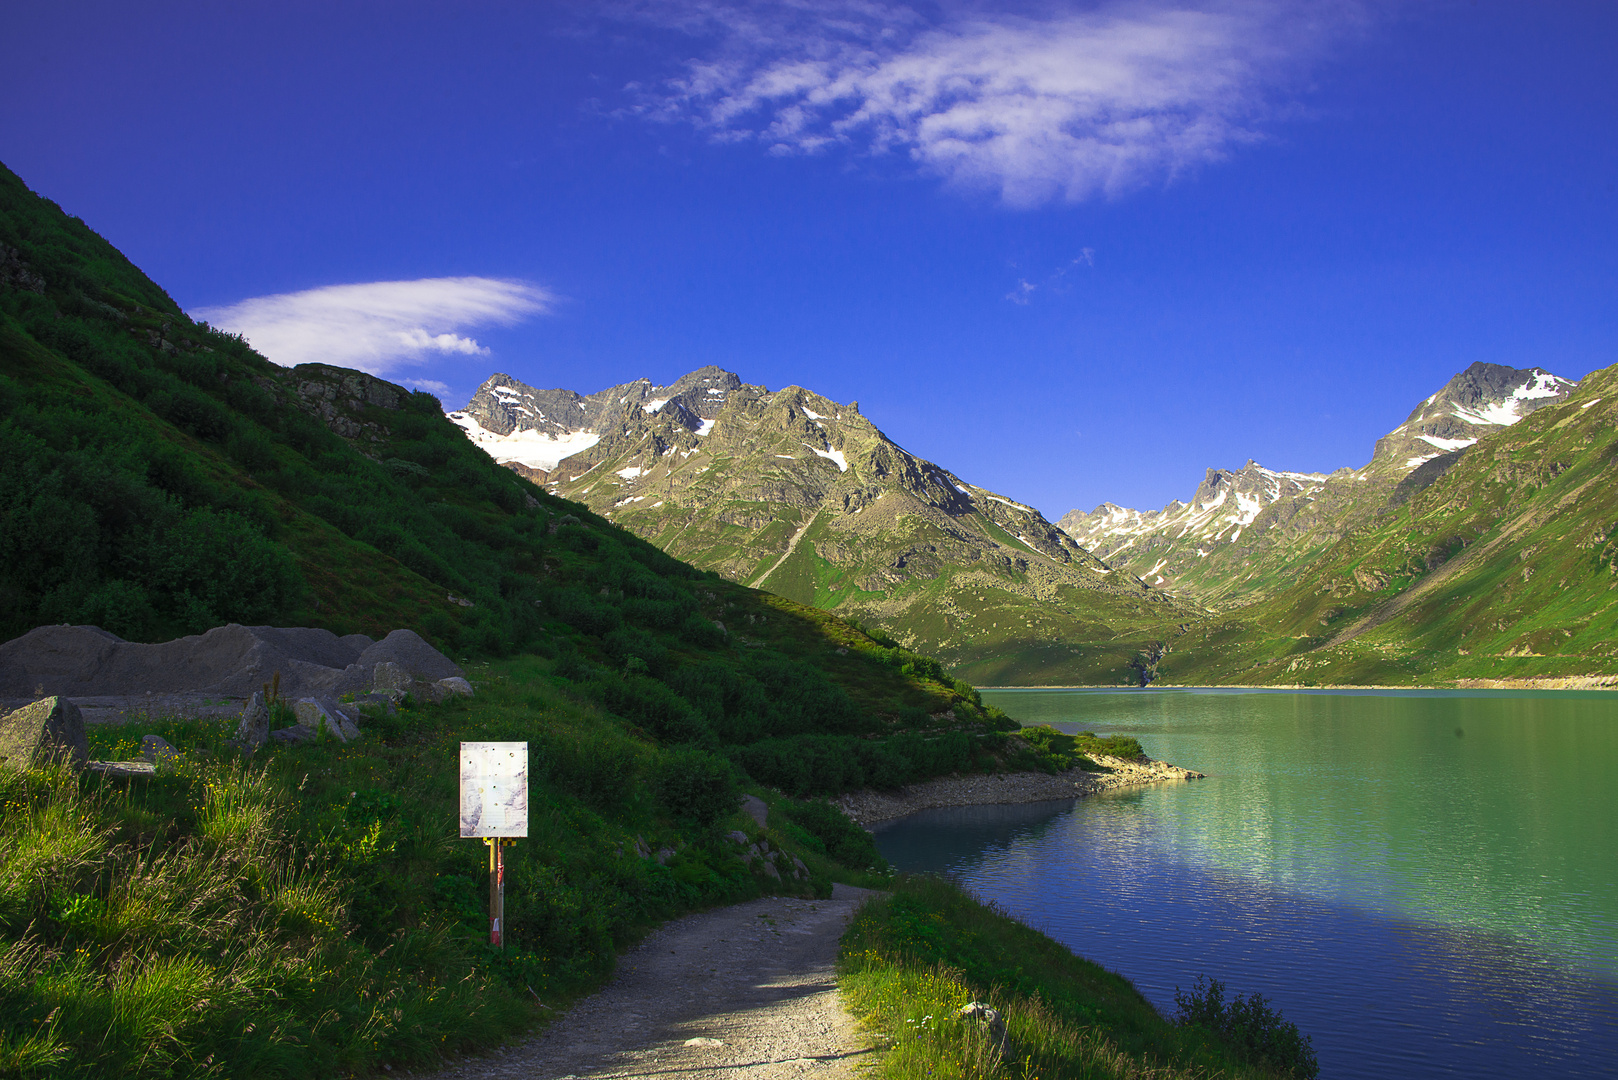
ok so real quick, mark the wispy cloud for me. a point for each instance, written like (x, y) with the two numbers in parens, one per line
(1025, 289)
(380, 326)
(1066, 104)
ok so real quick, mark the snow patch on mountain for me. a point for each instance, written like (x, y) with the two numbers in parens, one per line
(527, 447)
(1445, 444)
(832, 455)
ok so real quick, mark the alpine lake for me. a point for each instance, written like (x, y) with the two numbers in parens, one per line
(1424, 881)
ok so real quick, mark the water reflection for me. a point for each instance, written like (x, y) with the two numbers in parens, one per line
(1424, 904)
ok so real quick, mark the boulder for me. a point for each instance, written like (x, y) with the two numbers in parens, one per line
(297, 733)
(388, 677)
(320, 715)
(230, 661)
(455, 686)
(49, 730)
(255, 726)
(124, 770)
(991, 1021)
(156, 749)
(227, 661)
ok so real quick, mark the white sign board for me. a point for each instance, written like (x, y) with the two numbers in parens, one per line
(494, 789)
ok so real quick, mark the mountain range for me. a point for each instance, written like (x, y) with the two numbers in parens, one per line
(793, 492)
(1262, 576)
(1244, 532)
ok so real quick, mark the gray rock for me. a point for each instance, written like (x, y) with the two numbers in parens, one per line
(230, 661)
(990, 1019)
(357, 642)
(803, 871)
(389, 678)
(769, 868)
(755, 808)
(156, 749)
(128, 770)
(739, 837)
(295, 734)
(455, 686)
(254, 730)
(227, 661)
(49, 730)
(326, 716)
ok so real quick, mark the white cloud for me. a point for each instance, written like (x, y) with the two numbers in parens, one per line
(1019, 295)
(1064, 105)
(379, 326)
(432, 386)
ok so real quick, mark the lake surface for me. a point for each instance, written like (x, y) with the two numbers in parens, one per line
(1426, 882)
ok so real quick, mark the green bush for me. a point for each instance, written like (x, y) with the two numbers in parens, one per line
(837, 835)
(1250, 1026)
(696, 786)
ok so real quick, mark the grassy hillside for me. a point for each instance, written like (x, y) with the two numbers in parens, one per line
(915, 957)
(314, 913)
(1505, 567)
(161, 478)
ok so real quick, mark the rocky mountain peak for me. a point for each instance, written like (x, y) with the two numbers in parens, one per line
(1483, 398)
(1211, 545)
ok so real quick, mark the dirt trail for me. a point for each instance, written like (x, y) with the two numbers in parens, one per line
(743, 993)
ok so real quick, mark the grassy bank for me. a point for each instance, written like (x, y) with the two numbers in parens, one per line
(912, 959)
(313, 913)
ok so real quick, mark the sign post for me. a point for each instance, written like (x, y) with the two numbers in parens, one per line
(494, 808)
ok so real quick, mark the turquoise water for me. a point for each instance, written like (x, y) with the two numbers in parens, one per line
(1425, 881)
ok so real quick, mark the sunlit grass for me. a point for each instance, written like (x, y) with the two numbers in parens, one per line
(912, 960)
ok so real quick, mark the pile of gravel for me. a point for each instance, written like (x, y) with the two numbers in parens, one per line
(228, 661)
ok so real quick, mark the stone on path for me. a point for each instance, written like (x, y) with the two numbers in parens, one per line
(48, 731)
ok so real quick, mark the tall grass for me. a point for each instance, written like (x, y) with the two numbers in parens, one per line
(206, 941)
(912, 959)
(313, 912)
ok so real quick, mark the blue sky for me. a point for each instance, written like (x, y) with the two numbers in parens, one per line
(1073, 251)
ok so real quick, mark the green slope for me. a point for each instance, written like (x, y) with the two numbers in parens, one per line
(1503, 568)
(160, 477)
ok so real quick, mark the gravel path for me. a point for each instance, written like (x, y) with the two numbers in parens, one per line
(743, 993)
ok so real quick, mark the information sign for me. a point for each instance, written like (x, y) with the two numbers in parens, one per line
(494, 789)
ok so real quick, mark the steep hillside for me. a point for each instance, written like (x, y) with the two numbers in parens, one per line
(1504, 567)
(792, 492)
(1245, 534)
(159, 478)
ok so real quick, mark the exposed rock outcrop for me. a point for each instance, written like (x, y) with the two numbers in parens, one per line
(48, 731)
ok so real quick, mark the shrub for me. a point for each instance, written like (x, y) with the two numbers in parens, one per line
(837, 834)
(696, 786)
(601, 767)
(1250, 1026)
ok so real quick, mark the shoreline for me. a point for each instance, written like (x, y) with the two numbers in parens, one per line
(869, 807)
(1546, 682)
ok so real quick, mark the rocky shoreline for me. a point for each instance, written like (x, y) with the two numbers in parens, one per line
(870, 808)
